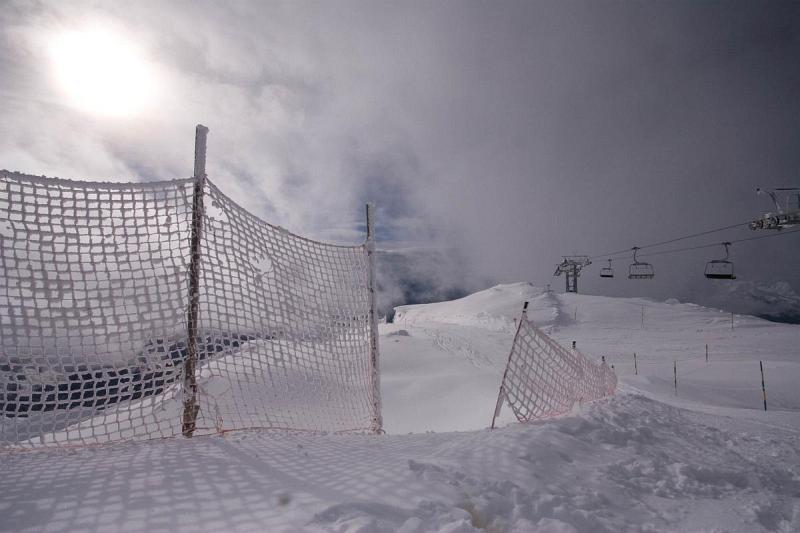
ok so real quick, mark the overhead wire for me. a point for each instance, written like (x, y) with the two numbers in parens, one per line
(670, 241)
(711, 245)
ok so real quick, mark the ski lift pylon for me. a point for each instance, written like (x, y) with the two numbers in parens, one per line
(640, 269)
(607, 272)
(785, 216)
(721, 268)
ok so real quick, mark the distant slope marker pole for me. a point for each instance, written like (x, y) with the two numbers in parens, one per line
(635, 366)
(763, 386)
(190, 406)
(731, 320)
(675, 373)
(642, 317)
(706, 353)
(502, 394)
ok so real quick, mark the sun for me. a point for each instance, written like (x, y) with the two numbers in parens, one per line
(102, 72)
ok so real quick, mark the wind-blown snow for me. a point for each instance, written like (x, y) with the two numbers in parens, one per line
(706, 459)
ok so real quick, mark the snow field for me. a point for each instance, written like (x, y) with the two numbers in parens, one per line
(707, 459)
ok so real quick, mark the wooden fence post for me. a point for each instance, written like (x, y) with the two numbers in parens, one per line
(377, 418)
(501, 395)
(190, 406)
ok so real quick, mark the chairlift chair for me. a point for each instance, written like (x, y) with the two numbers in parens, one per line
(720, 268)
(640, 269)
(607, 272)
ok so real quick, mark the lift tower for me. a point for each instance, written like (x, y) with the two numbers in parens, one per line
(571, 267)
(786, 215)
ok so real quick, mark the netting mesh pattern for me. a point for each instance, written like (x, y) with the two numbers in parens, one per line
(299, 310)
(94, 293)
(544, 379)
(92, 306)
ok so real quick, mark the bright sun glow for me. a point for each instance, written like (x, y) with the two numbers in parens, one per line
(102, 73)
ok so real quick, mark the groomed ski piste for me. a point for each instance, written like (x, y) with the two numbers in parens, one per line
(704, 456)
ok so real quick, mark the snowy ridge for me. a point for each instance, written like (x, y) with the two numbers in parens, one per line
(495, 308)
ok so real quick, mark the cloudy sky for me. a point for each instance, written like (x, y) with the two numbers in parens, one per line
(508, 132)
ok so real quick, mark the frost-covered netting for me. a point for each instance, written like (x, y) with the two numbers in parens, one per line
(543, 378)
(300, 312)
(92, 309)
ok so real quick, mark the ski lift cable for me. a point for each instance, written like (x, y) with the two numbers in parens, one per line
(711, 245)
(670, 241)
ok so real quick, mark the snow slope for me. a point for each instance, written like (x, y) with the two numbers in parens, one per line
(706, 459)
(471, 337)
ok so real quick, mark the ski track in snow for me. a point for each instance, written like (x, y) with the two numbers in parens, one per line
(648, 459)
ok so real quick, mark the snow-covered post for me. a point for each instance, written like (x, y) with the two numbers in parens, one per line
(190, 407)
(501, 395)
(377, 418)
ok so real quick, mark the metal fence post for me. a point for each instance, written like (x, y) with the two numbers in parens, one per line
(377, 418)
(190, 406)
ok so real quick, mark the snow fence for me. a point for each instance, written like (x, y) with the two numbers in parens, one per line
(542, 378)
(145, 310)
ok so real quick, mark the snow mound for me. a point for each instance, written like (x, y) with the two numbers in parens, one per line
(494, 308)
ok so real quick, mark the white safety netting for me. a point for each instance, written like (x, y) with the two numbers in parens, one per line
(94, 295)
(92, 308)
(543, 378)
(300, 312)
